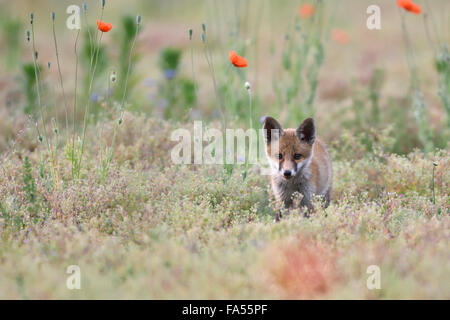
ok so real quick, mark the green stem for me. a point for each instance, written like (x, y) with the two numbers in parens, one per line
(60, 75)
(109, 159)
(213, 75)
(91, 47)
(128, 71)
(250, 146)
(409, 54)
(38, 89)
(86, 113)
(75, 103)
(433, 22)
(193, 70)
(434, 195)
(96, 35)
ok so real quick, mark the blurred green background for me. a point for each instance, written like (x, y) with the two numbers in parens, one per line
(370, 68)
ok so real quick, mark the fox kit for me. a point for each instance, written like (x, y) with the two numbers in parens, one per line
(299, 161)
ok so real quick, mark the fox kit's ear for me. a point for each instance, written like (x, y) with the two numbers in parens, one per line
(306, 132)
(272, 129)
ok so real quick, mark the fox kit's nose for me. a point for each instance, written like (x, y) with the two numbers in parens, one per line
(287, 173)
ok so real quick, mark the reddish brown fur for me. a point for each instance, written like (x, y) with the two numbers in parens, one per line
(310, 173)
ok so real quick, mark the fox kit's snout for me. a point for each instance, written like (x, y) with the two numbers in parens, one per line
(300, 162)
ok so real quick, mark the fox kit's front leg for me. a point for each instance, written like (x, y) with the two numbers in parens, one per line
(287, 198)
(300, 162)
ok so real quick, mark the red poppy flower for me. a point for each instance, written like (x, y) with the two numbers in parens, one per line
(410, 6)
(237, 60)
(306, 10)
(104, 26)
(340, 36)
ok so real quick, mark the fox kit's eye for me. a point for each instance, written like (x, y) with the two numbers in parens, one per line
(280, 156)
(297, 156)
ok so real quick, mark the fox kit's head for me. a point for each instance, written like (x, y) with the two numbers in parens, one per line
(289, 150)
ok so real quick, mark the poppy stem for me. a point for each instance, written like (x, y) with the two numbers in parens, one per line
(116, 125)
(192, 64)
(409, 53)
(427, 32)
(86, 112)
(96, 34)
(432, 184)
(251, 108)
(250, 146)
(38, 88)
(128, 70)
(433, 22)
(216, 91)
(75, 105)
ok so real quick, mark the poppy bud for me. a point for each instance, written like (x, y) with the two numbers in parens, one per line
(28, 35)
(138, 19)
(247, 86)
(190, 34)
(84, 6)
(204, 27)
(48, 64)
(120, 121)
(53, 16)
(203, 37)
(40, 138)
(31, 17)
(36, 54)
(103, 3)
